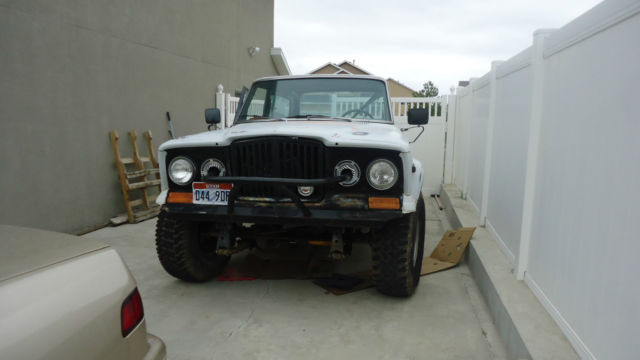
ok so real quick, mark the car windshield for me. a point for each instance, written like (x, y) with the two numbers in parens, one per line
(347, 99)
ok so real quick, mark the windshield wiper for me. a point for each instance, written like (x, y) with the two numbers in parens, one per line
(263, 119)
(312, 116)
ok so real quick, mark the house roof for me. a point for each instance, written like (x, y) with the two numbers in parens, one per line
(338, 68)
(401, 84)
(344, 63)
(341, 68)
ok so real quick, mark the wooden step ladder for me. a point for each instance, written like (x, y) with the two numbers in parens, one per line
(140, 178)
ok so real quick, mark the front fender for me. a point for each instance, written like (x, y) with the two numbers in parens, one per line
(164, 183)
(412, 182)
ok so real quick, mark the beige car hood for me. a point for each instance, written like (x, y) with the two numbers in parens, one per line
(24, 250)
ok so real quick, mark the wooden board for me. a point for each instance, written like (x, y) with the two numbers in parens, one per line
(449, 250)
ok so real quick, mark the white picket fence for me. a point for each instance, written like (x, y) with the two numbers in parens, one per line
(344, 104)
(431, 148)
(228, 106)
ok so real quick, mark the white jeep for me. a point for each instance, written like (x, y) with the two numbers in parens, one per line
(308, 159)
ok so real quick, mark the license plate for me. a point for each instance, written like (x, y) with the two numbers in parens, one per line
(211, 194)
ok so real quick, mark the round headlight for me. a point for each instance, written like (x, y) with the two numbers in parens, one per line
(181, 170)
(350, 170)
(212, 167)
(382, 174)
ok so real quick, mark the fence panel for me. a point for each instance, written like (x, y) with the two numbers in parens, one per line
(584, 239)
(509, 155)
(562, 194)
(478, 140)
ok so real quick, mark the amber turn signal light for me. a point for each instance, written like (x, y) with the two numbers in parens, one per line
(180, 198)
(384, 203)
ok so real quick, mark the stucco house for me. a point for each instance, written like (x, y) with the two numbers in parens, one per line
(74, 71)
(396, 88)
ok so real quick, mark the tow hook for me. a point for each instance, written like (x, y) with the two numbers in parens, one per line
(337, 246)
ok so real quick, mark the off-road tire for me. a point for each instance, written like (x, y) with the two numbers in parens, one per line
(178, 244)
(396, 270)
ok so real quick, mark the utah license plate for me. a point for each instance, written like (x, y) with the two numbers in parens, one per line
(211, 194)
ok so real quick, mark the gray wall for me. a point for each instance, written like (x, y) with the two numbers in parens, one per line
(71, 71)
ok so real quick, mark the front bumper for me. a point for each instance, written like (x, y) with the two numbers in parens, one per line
(283, 213)
(336, 210)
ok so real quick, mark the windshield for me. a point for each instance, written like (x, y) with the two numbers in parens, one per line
(349, 99)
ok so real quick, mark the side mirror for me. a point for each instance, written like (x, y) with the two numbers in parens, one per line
(212, 116)
(418, 116)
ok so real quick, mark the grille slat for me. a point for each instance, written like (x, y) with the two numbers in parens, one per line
(277, 157)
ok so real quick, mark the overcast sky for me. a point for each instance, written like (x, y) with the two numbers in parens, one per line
(415, 41)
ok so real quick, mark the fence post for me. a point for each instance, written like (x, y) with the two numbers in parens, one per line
(467, 140)
(488, 149)
(450, 136)
(220, 103)
(537, 66)
(227, 109)
(459, 153)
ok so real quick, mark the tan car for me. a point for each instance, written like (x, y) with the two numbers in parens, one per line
(65, 297)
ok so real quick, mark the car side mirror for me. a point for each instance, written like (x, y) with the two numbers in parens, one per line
(212, 116)
(418, 116)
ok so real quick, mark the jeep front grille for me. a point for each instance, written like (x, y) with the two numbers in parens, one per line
(283, 157)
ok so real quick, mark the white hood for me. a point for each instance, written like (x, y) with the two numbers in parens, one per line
(331, 133)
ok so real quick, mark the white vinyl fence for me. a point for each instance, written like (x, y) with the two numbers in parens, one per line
(345, 104)
(547, 148)
(429, 149)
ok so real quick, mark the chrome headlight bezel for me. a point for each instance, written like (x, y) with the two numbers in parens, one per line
(352, 167)
(212, 162)
(375, 181)
(189, 168)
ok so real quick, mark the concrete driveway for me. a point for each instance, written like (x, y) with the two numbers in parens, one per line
(295, 319)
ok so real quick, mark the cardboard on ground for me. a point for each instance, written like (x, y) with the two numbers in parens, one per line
(449, 250)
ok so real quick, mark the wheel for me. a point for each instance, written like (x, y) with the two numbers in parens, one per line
(397, 252)
(184, 253)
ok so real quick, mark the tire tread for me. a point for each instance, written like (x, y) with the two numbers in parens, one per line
(175, 251)
(392, 256)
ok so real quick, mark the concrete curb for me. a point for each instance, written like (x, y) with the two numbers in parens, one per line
(524, 326)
